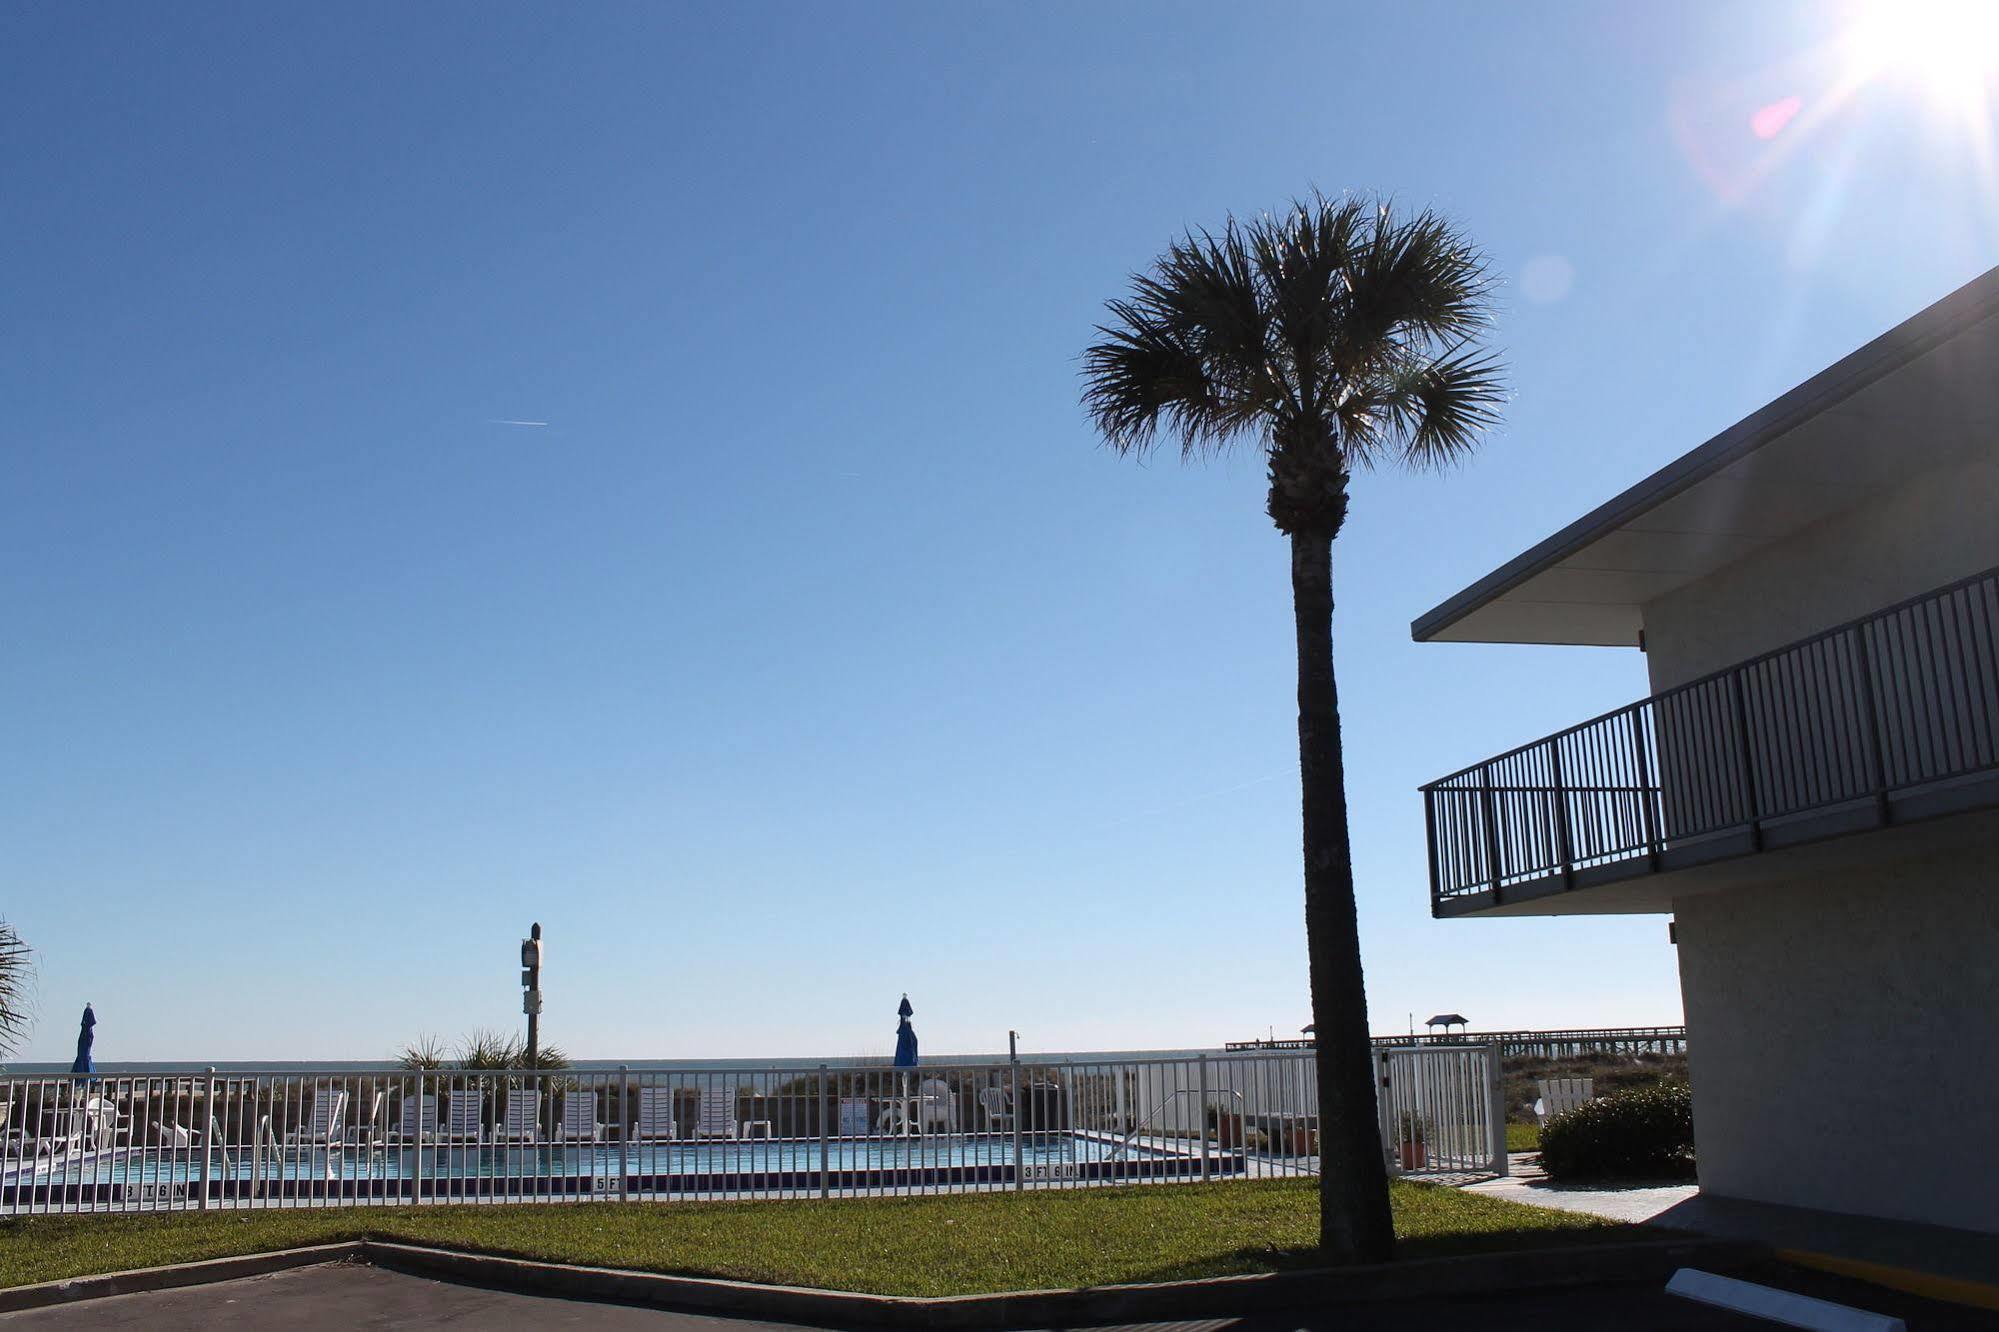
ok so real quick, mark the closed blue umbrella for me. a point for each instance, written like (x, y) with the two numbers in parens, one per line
(85, 1037)
(905, 1037)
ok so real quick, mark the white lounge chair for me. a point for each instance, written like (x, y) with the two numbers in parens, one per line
(369, 1128)
(329, 1120)
(91, 1126)
(579, 1118)
(992, 1103)
(853, 1116)
(717, 1118)
(936, 1107)
(417, 1121)
(1559, 1095)
(655, 1115)
(521, 1121)
(174, 1135)
(465, 1116)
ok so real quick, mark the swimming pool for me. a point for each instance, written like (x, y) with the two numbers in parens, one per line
(658, 1169)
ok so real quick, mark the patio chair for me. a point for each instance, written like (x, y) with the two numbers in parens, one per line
(174, 1135)
(520, 1122)
(936, 1107)
(369, 1129)
(717, 1118)
(91, 1126)
(579, 1118)
(853, 1117)
(465, 1116)
(1559, 1095)
(655, 1115)
(992, 1103)
(416, 1121)
(329, 1120)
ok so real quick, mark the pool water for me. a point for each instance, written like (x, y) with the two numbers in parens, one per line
(692, 1161)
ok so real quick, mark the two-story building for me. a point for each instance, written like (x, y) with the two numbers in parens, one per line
(1812, 789)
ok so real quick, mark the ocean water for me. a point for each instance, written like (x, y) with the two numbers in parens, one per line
(167, 1068)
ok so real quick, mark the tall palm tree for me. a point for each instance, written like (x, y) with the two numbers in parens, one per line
(1332, 337)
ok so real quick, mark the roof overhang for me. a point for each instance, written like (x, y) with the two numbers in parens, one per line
(1922, 395)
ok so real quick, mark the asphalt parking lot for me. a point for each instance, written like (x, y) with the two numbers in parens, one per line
(346, 1295)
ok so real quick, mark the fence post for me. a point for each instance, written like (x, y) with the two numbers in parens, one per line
(825, 1165)
(1648, 816)
(1019, 1162)
(1384, 1113)
(1430, 831)
(1564, 848)
(416, 1145)
(1746, 766)
(208, 1140)
(1495, 1109)
(1490, 809)
(1206, 1165)
(1877, 738)
(625, 1189)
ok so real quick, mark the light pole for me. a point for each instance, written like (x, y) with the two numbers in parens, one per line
(531, 989)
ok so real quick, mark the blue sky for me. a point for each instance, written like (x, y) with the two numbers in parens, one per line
(813, 651)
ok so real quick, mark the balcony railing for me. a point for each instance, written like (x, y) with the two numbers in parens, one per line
(1891, 718)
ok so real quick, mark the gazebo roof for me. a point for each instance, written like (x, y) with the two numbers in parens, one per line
(1446, 1020)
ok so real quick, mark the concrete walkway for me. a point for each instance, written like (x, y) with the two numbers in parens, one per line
(1959, 1265)
(1529, 1184)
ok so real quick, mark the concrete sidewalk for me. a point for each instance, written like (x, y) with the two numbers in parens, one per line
(1528, 1183)
(1937, 1261)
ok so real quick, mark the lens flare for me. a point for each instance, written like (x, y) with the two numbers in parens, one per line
(1946, 49)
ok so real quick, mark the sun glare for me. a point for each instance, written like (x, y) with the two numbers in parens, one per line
(1949, 49)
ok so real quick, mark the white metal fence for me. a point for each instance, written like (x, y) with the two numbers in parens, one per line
(221, 1140)
(1441, 1109)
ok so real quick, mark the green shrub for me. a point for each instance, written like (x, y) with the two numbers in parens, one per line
(1642, 1133)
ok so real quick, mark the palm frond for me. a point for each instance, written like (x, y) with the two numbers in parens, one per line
(1443, 406)
(1337, 322)
(17, 963)
(1187, 354)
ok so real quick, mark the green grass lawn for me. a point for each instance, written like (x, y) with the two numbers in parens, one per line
(1523, 1137)
(951, 1245)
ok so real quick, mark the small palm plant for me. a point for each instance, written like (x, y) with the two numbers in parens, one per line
(424, 1054)
(1332, 337)
(17, 963)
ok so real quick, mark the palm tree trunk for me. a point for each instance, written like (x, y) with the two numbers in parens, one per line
(1354, 1221)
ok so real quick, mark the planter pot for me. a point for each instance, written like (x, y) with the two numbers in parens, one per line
(1414, 1155)
(1228, 1131)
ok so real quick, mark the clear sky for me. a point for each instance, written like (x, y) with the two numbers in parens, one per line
(806, 648)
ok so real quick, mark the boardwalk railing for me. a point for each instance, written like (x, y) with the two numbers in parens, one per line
(1517, 1044)
(1889, 719)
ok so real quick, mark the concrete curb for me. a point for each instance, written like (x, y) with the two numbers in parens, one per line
(1650, 1260)
(142, 1279)
(1645, 1260)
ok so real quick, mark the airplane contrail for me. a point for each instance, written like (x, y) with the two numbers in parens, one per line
(504, 421)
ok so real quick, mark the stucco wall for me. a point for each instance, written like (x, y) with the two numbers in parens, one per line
(1943, 525)
(1840, 1039)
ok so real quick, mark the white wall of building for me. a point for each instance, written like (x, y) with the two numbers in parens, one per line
(1841, 1046)
(1940, 527)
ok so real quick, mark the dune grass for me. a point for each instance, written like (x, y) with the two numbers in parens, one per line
(950, 1245)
